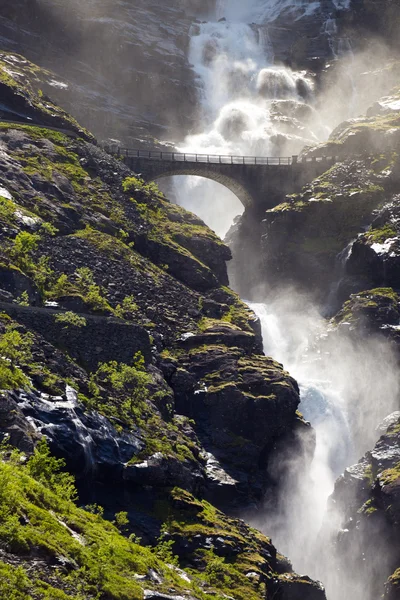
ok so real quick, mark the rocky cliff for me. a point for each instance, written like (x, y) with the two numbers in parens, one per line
(122, 346)
(120, 68)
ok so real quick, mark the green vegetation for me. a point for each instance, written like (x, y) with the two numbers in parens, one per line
(70, 318)
(37, 517)
(390, 475)
(48, 470)
(127, 383)
(141, 188)
(22, 253)
(84, 285)
(127, 309)
(381, 234)
(15, 350)
(188, 517)
(366, 303)
(168, 225)
(7, 210)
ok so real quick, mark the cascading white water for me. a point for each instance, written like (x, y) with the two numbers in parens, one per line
(346, 390)
(233, 58)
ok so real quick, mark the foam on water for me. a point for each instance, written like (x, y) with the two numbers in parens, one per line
(237, 80)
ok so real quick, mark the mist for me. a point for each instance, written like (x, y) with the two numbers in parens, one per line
(250, 105)
(347, 388)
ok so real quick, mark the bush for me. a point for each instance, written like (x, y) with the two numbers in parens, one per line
(134, 184)
(70, 318)
(127, 308)
(47, 469)
(24, 244)
(15, 349)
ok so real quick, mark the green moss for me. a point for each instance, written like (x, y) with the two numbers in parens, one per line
(186, 516)
(70, 319)
(361, 304)
(241, 315)
(390, 476)
(381, 234)
(368, 508)
(207, 323)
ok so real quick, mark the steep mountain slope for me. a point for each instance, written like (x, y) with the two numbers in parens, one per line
(116, 332)
(121, 67)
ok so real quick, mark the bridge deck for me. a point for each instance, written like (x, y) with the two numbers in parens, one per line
(214, 159)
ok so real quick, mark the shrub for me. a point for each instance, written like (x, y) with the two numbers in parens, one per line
(164, 552)
(24, 244)
(127, 308)
(47, 469)
(15, 349)
(92, 293)
(7, 209)
(121, 519)
(135, 184)
(48, 229)
(70, 318)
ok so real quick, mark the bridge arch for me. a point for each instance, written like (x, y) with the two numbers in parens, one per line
(230, 183)
(260, 183)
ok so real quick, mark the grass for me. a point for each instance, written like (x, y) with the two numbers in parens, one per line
(38, 520)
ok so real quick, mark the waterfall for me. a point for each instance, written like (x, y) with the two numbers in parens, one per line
(341, 387)
(233, 60)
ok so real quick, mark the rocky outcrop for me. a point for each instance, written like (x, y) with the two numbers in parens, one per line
(369, 495)
(215, 382)
(306, 239)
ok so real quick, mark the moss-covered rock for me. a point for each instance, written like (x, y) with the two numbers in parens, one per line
(304, 235)
(370, 310)
(369, 495)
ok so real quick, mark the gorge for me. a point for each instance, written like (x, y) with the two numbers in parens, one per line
(211, 433)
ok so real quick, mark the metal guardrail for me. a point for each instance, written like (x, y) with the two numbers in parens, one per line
(214, 159)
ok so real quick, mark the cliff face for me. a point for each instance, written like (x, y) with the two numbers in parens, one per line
(121, 68)
(370, 494)
(121, 343)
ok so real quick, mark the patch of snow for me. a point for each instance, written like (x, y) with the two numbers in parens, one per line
(58, 84)
(186, 336)
(5, 193)
(29, 221)
(384, 247)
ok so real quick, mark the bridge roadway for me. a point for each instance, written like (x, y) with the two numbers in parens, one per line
(259, 182)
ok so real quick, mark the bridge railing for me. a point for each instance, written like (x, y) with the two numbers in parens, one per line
(225, 159)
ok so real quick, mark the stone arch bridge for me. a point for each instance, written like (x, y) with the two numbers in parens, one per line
(259, 182)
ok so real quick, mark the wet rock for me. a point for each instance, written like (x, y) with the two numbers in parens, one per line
(15, 429)
(375, 255)
(241, 406)
(90, 445)
(373, 514)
